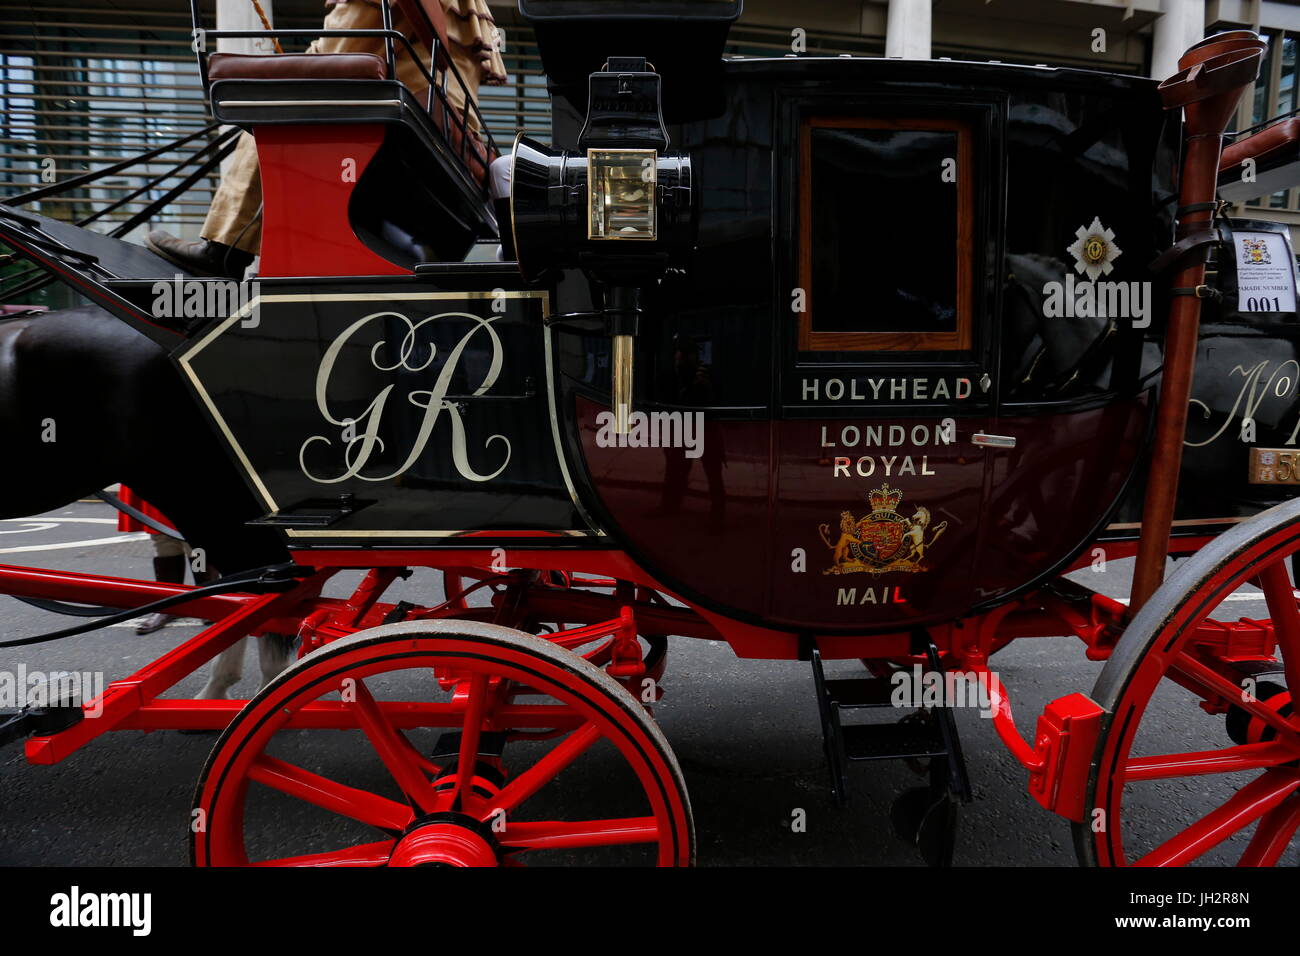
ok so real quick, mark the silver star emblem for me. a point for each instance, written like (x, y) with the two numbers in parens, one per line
(1094, 250)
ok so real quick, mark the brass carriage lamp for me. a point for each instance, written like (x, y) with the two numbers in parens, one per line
(621, 193)
(620, 207)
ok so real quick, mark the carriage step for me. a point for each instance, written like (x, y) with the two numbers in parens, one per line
(901, 741)
(925, 817)
(850, 693)
(314, 512)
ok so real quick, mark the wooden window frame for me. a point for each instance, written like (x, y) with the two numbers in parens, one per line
(956, 340)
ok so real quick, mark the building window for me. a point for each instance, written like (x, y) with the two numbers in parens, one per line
(1277, 93)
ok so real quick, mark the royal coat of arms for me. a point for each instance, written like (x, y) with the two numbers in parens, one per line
(884, 540)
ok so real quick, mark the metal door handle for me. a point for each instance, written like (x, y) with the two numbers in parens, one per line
(993, 441)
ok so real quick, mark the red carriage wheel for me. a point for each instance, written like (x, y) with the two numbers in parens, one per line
(478, 788)
(1164, 683)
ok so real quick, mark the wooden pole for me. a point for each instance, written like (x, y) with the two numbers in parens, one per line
(1211, 78)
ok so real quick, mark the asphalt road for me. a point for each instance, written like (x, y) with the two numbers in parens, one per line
(745, 732)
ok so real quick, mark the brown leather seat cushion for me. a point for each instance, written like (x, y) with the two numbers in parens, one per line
(297, 66)
(344, 66)
(1258, 145)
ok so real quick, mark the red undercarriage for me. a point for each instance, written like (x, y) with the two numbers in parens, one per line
(612, 602)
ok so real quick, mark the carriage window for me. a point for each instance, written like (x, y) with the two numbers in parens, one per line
(885, 234)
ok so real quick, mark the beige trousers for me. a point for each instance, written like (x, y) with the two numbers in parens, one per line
(233, 218)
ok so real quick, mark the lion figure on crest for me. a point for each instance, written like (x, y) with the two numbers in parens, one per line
(848, 535)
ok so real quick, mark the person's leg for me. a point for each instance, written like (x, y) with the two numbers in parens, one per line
(233, 218)
(232, 231)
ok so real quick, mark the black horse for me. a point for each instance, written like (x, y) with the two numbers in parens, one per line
(85, 402)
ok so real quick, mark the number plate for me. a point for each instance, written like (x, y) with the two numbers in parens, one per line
(1274, 466)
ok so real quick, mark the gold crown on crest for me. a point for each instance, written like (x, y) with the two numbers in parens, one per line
(885, 498)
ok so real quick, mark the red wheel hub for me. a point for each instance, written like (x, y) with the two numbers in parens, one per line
(444, 842)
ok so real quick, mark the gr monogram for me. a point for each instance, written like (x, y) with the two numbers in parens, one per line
(360, 436)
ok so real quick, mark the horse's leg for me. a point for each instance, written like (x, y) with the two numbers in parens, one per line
(226, 672)
(274, 652)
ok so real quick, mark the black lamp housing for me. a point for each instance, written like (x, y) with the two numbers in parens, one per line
(620, 206)
(684, 39)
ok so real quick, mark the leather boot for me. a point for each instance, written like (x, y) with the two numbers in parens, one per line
(505, 228)
(199, 257)
(168, 570)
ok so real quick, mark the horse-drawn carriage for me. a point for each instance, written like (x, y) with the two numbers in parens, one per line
(828, 358)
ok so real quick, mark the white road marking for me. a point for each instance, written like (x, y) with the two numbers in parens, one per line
(1235, 596)
(174, 622)
(63, 520)
(88, 543)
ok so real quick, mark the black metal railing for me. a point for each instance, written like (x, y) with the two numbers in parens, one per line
(204, 159)
(437, 92)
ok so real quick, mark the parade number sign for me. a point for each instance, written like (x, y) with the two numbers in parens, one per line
(1266, 280)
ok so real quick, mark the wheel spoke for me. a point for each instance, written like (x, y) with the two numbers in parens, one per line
(1273, 835)
(535, 777)
(394, 750)
(563, 835)
(360, 805)
(367, 854)
(471, 731)
(1282, 608)
(1244, 807)
(1222, 687)
(1229, 760)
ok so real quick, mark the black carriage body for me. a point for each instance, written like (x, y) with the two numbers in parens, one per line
(857, 342)
(391, 412)
(867, 304)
